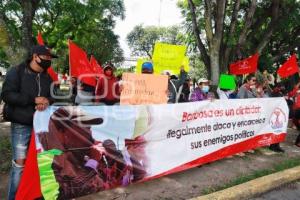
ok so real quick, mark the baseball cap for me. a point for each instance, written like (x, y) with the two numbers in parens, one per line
(147, 66)
(43, 50)
(203, 80)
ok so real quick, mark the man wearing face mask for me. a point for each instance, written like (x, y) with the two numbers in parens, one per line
(202, 91)
(107, 89)
(248, 89)
(25, 90)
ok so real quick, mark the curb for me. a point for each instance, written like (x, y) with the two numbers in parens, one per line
(255, 187)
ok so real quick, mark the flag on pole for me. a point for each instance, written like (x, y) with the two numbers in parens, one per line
(30, 187)
(246, 66)
(289, 68)
(50, 71)
(79, 65)
(95, 66)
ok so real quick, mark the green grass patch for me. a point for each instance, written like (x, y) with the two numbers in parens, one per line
(286, 164)
(5, 152)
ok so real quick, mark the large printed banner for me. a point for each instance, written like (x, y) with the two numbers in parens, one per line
(83, 150)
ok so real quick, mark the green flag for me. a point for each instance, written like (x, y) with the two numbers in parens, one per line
(227, 82)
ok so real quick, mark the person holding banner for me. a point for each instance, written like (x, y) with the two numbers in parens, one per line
(25, 90)
(108, 89)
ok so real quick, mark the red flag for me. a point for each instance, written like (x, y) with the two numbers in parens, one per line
(39, 39)
(80, 65)
(97, 69)
(50, 71)
(246, 66)
(30, 187)
(52, 74)
(289, 68)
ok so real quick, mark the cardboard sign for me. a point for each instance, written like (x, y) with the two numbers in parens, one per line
(169, 57)
(227, 82)
(144, 89)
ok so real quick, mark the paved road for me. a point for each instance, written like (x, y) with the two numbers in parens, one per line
(288, 192)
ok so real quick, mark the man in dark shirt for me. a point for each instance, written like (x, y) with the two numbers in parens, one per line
(26, 89)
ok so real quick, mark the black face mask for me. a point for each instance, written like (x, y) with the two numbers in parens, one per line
(45, 64)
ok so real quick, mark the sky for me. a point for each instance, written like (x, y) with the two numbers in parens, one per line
(146, 12)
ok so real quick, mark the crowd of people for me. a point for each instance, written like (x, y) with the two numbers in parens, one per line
(27, 88)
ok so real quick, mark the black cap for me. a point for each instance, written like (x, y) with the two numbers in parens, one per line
(43, 50)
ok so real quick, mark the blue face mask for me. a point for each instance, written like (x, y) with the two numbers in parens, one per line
(205, 89)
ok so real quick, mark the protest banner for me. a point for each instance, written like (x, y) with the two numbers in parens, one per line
(87, 149)
(169, 57)
(144, 89)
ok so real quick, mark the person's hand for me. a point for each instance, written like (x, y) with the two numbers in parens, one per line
(41, 100)
(41, 107)
(99, 148)
(182, 69)
(41, 103)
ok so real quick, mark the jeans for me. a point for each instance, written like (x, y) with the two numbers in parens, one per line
(20, 137)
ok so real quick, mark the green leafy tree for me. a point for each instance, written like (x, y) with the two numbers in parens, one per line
(141, 40)
(90, 24)
(227, 30)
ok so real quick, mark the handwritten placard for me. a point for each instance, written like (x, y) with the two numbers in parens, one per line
(144, 89)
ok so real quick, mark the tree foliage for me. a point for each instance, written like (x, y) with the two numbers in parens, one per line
(227, 30)
(89, 23)
(141, 40)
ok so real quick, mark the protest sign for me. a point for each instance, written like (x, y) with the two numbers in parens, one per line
(169, 57)
(144, 89)
(227, 82)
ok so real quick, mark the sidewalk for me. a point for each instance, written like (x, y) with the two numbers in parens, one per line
(193, 182)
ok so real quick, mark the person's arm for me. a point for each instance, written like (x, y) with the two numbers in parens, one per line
(242, 93)
(11, 90)
(182, 77)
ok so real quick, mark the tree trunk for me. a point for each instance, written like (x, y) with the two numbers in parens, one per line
(200, 44)
(28, 10)
(245, 30)
(214, 65)
(267, 36)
